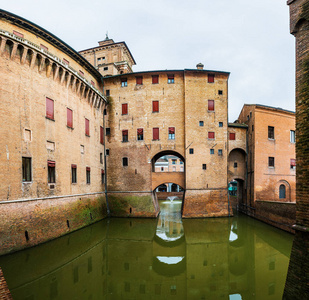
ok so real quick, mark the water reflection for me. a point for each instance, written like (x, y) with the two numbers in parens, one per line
(168, 258)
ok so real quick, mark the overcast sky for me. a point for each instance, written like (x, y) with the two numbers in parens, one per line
(248, 38)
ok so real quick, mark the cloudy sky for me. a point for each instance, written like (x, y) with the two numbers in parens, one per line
(249, 38)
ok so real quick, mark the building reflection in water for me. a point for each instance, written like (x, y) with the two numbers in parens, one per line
(169, 258)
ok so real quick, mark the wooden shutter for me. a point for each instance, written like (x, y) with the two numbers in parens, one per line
(171, 130)
(211, 105)
(155, 133)
(69, 118)
(87, 131)
(49, 108)
(101, 135)
(88, 169)
(125, 108)
(155, 79)
(232, 136)
(211, 78)
(155, 106)
(170, 76)
(51, 163)
(73, 166)
(139, 131)
(139, 80)
(211, 135)
(293, 162)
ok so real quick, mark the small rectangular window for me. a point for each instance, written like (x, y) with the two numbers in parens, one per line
(155, 134)
(211, 105)
(155, 79)
(191, 151)
(232, 136)
(211, 135)
(69, 118)
(51, 168)
(220, 124)
(124, 161)
(220, 152)
(212, 151)
(211, 78)
(107, 131)
(271, 162)
(220, 92)
(49, 108)
(155, 106)
(101, 135)
(74, 173)
(107, 93)
(139, 80)
(18, 34)
(174, 161)
(107, 152)
(204, 166)
(124, 82)
(125, 137)
(171, 133)
(140, 134)
(26, 169)
(235, 164)
(201, 123)
(292, 136)
(87, 130)
(101, 158)
(104, 112)
(292, 163)
(88, 175)
(124, 109)
(102, 176)
(105, 68)
(252, 127)
(170, 78)
(271, 132)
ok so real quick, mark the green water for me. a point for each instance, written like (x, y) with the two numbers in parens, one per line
(166, 258)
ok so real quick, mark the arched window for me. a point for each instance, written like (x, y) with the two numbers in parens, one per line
(282, 191)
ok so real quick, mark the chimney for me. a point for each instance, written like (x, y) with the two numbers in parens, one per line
(200, 66)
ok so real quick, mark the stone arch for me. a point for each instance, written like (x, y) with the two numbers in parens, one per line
(237, 164)
(300, 24)
(165, 152)
(19, 52)
(287, 189)
(29, 56)
(8, 48)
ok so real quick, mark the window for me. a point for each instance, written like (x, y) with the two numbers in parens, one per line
(170, 78)
(271, 132)
(232, 136)
(49, 108)
(101, 158)
(212, 151)
(140, 134)
(107, 152)
(292, 163)
(26, 169)
(211, 135)
(51, 168)
(201, 123)
(124, 161)
(81, 73)
(292, 136)
(18, 34)
(171, 133)
(191, 151)
(220, 92)
(124, 109)
(69, 118)
(155, 79)
(174, 161)
(88, 175)
(44, 47)
(107, 131)
(125, 136)
(162, 169)
(124, 82)
(101, 135)
(252, 127)
(102, 176)
(155, 134)
(73, 172)
(104, 112)
(105, 68)
(220, 152)
(220, 124)
(211, 105)
(211, 78)
(93, 84)
(66, 61)
(139, 80)
(282, 191)
(108, 93)
(27, 135)
(155, 106)
(204, 166)
(271, 162)
(87, 131)
(235, 164)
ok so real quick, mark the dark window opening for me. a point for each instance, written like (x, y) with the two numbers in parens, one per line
(140, 134)
(101, 158)
(212, 151)
(235, 164)
(105, 68)
(201, 123)
(271, 132)
(107, 131)
(74, 173)
(220, 152)
(102, 176)
(220, 92)
(204, 166)
(107, 152)
(107, 93)
(51, 171)
(124, 161)
(125, 137)
(26, 169)
(191, 151)
(220, 124)
(282, 191)
(271, 161)
(88, 175)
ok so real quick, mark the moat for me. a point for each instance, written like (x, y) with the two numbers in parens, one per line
(165, 258)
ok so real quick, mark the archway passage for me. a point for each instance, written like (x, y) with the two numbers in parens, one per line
(237, 193)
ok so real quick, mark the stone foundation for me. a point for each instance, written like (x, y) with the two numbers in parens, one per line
(4, 290)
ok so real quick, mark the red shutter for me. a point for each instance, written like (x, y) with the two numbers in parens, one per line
(211, 135)
(293, 162)
(124, 132)
(139, 131)
(73, 166)
(155, 79)
(171, 130)
(101, 135)
(18, 34)
(211, 78)
(125, 108)
(87, 131)
(69, 118)
(155, 106)
(232, 136)
(211, 105)
(49, 108)
(66, 61)
(155, 133)
(51, 163)
(139, 80)
(171, 76)
(88, 169)
(102, 171)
